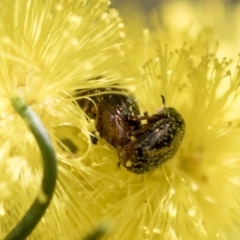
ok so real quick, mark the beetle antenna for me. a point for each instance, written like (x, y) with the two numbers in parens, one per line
(163, 101)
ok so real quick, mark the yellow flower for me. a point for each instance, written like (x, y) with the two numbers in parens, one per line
(196, 194)
(50, 50)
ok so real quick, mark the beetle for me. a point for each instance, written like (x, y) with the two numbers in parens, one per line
(141, 147)
(114, 115)
(153, 143)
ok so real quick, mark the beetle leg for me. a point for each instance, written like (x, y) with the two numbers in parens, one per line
(132, 117)
(143, 129)
(145, 116)
(93, 137)
(119, 164)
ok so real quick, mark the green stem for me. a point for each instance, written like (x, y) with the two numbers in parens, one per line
(31, 218)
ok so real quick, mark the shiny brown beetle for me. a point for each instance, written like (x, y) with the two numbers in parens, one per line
(112, 115)
(153, 143)
(141, 147)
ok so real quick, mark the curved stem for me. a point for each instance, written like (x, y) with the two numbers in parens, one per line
(31, 218)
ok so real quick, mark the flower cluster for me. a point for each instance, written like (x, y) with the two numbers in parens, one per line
(49, 52)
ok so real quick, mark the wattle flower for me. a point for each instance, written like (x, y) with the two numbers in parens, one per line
(51, 51)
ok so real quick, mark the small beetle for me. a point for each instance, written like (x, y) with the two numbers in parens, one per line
(113, 115)
(141, 147)
(153, 143)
